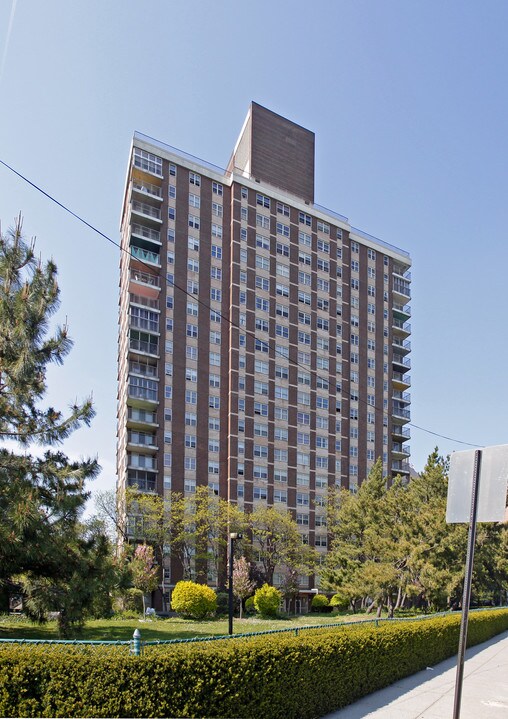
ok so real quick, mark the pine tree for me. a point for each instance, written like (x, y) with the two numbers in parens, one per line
(41, 497)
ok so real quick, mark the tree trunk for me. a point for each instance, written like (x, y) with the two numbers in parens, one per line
(399, 599)
(241, 602)
(379, 610)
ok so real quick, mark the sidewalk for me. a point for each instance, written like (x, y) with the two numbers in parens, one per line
(430, 693)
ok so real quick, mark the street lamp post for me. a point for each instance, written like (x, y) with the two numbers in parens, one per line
(232, 537)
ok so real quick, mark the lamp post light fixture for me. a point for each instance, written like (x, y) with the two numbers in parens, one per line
(233, 536)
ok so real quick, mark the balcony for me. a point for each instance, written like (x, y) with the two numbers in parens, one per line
(401, 361)
(146, 232)
(145, 278)
(145, 255)
(400, 467)
(400, 433)
(146, 210)
(142, 481)
(144, 346)
(401, 287)
(401, 345)
(400, 413)
(142, 440)
(401, 379)
(143, 369)
(401, 327)
(401, 271)
(147, 162)
(144, 301)
(141, 323)
(139, 418)
(147, 395)
(401, 396)
(146, 188)
(401, 311)
(401, 450)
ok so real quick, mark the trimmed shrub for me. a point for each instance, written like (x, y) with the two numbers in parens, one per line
(319, 602)
(222, 603)
(267, 600)
(339, 601)
(249, 606)
(279, 676)
(193, 601)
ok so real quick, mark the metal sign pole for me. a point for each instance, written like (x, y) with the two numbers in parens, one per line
(466, 597)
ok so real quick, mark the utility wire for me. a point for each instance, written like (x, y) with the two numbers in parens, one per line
(204, 304)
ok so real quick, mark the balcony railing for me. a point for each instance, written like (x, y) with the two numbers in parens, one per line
(403, 396)
(405, 309)
(142, 439)
(146, 188)
(146, 278)
(143, 324)
(151, 348)
(143, 368)
(142, 393)
(401, 287)
(144, 208)
(145, 163)
(146, 232)
(401, 325)
(141, 415)
(398, 411)
(403, 344)
(142, 485)
(402, 271)
(399, 359)
(402, 467)
(400, 377)
(401, 431)
(145, 255)
(401, 448)
(145, 301)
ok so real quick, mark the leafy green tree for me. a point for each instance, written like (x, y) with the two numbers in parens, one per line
(41, 497)
(276, 537)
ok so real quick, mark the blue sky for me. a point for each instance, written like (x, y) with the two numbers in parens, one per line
(409, 105)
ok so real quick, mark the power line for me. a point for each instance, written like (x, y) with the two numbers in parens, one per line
(158, 273)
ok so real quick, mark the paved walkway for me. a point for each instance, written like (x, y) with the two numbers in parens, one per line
(430, 693)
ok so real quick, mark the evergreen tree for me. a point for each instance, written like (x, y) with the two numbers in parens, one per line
(41, 497)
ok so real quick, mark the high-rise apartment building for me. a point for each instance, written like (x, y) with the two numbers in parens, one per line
(263, 344)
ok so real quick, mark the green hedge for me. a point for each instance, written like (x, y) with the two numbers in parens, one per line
(270, 676)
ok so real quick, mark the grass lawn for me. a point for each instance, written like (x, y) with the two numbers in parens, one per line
(172, 628)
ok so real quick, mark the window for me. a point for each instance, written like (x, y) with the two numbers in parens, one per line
(304, 278)
(281, 372)
(261, 409)
(355, 284)
(216, 231)
(194, 200)
(323, 265)
(280, 413)
(192, 287)
(280, 495)
(323, 285)
(302, 519)
(280, 434)
(214, 380)
(263, 283)
(217, 188)
(260, 493)
(193, 265)
(261, 367)
(282, 229)
(191, 397)
(304, 318)
(260, 345)
(282, 290)
(304, 239)
(194, 221)
(303, 338)
(260, 472)
(304, 219)
(190, 440)
(261, 325)
(304, 258)
(190, 463)
(281, 310)
(282, 249)
(323, 227)
(263, 221)
(281, 392)
(260, 430)
(263, 242)
(215, 295)
(215, 338)
(172, 192)
(191, 352)
(217, 209)
(192, 309)
(282, 331)
(215, 359)
(262, 262)
(261, 387)
(216, 251)
(303, 437)
(262, 304)
(282, 270)
(171, 213)
(303, 418)
(193, 244)
(302, 499)
(192, 330)
(355, 247)
(355, 266)
(214, 402)
(323, 246)
(262, 200)
(304, 297)
(191, 375)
